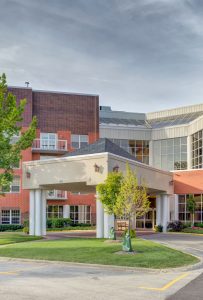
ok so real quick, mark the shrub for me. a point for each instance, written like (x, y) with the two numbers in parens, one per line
(175, 226)
(158, 228)
(26, 223)
(132, 233)
(10, 227)
(26, 230)
(199, 225)
(59, 223)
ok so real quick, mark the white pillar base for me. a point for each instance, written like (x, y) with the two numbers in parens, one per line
(99, 218)
(66, 211)
(166, 212)
(44, 213)
(108, 224)
(32, 213)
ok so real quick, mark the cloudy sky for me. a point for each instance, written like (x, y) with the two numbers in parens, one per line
(138, 55)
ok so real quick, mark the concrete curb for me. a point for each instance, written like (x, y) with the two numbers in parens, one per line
(109, 267)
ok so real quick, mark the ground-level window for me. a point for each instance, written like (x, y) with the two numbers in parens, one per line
(55, 211)
(10, 216)
(80, 213)
(184, 214)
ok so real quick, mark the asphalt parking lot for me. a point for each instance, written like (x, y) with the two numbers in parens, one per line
(25, 279)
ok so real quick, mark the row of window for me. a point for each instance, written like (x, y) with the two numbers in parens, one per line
(170, 154)
(197, 150)
(78, 213)
(137, 148)
(184, 214)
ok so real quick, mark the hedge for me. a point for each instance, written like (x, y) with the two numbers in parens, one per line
(10, 227)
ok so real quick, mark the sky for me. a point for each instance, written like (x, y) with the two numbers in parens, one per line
(137, 55)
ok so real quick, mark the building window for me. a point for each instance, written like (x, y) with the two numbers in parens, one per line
(137, 148)
(184, 214)
(80, 214)
(56, 194)
(170, 154)
(79, 141)
(10, 216)
(14, 187)
(55, 211)
(48, 141)
(197, 150)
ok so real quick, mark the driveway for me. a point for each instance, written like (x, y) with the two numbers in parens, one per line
(37, 280)
(192, 244)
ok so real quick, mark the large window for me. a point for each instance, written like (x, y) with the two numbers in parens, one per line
(10, 216)
(197, 161)
(48, 141)
(184, 214)
(55, 211)
(170, 154)
(14, 187)
(80, 214)
(79, 141)
(137, 148)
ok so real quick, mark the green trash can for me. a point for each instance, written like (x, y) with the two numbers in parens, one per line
(112, 234)
(127, 247)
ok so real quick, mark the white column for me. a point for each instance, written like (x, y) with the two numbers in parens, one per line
(176, 208)
(108, 224)
(44, 212)
(151, 153)
(99, 218)
(32, 213)
(38, 213)
(66, 211)
(158, 210)
(189, 152)
(166, 211)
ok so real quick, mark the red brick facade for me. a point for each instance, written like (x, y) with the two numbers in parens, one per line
(63, 114)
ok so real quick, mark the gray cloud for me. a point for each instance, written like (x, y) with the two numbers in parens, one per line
(139, 55)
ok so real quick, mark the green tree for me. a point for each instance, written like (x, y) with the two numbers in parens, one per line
(11, 114)
(109, 191)
(191, 205)
(132, 199)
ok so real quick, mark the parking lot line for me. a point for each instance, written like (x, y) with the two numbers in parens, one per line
(9, 273)
(168, 285)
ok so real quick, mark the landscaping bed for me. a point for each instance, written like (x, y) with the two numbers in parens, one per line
(96, 251)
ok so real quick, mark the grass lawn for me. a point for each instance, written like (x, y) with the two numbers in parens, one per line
(191, 230)
(10, 238)
(94, 251)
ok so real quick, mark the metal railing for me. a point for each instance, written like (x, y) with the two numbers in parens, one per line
(51, 145)
(56, 194)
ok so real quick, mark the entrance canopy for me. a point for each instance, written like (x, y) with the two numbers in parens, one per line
(82, 170)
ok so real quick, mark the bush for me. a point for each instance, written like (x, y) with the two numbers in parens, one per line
(10, 227)
(26, 223)
(132, 233)
(158, 228)
(26, 230)
(175, 226)
(59, 223)
(199, 225)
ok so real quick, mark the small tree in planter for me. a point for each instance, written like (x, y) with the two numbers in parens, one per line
(109, 191)
(191, 205)
(132, 199)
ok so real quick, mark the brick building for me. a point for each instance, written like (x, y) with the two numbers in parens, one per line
(66, 121)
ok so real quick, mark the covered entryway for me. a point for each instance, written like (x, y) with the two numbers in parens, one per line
(81, 171)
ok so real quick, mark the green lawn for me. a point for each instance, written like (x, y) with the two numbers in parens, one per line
(10, 238)
(94, 251)
(191, 230)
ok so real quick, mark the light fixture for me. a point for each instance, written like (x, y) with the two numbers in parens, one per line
(116, 169)
(96, 168)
